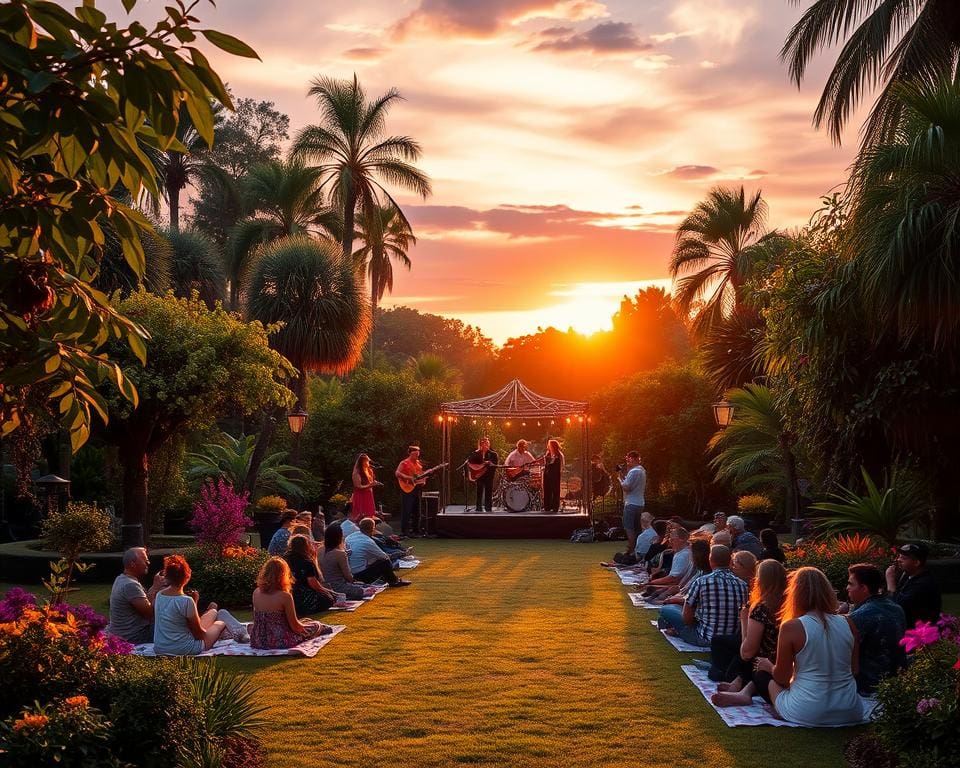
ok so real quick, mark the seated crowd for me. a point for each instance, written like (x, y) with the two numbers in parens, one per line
(303, 577)
(784, 637)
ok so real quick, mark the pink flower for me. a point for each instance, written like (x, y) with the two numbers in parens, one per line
(924, 706)
(924, 634)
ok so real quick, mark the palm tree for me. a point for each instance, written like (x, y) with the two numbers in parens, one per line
(196, 265)
(756, 451)
(230, 459)
(387, 237)
(285, 199)
(352, 154)
(308, 286)
(885, 42)
(720, 243)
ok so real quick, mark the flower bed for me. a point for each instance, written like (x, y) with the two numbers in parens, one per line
(835, 555)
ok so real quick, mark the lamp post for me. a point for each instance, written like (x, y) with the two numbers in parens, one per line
(296, 420)
(723, 413)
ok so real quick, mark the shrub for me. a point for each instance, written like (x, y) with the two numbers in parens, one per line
(50, 652)
(918, 718)
(78, 528)
(228, 577)
(230, 712)
(219, 517)
(835, 555)
(271, 504)
(69, 734)
(755, 504)
(157, 720)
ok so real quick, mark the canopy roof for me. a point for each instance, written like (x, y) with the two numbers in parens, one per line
(514, 400)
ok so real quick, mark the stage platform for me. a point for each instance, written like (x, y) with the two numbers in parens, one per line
(455, 522)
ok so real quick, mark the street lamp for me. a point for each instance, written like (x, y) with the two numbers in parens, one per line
(296, 420)
(723, 413)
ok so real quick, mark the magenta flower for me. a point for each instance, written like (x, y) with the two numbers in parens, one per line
(925, 706)
(923, 634)
(116, 646)
(13, 603)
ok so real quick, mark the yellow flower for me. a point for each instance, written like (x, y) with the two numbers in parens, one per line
(77, 702)
(33, 722)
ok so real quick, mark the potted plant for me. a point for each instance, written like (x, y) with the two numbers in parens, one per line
(267, 516)
(756, 510)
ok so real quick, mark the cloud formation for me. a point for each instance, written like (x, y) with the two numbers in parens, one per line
(484, 19)
(606, 37)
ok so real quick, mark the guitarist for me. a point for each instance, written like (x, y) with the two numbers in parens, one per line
(408, 470)
(483, 466)
(519, 460)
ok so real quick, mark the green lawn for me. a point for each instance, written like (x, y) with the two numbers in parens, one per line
(505, 653)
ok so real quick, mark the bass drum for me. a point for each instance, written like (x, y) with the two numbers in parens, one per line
(517, 498)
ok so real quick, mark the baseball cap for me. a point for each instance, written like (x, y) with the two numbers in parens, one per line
(916, 551)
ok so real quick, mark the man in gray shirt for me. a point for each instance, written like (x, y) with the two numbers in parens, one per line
(131, 608)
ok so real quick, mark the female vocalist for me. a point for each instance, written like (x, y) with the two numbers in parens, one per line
(552, 471)
(364, 481)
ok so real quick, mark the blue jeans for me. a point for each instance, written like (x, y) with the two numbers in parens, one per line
(671, 616)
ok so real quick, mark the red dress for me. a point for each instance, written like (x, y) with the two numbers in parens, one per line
(361, 504)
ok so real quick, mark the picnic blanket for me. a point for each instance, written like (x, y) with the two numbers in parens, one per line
(630, 577)
(351, 605)
(679, 644)
(408, 564)
(308, 648)
(758, 713)
(640, 601)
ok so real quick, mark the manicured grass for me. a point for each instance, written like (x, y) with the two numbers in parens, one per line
(505, 654)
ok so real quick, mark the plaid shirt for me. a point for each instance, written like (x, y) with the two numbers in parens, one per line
(716, 599)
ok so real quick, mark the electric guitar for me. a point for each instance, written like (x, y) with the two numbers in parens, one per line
(514, 472)
(407, 486)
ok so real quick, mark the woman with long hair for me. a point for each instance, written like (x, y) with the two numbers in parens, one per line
(699, 565)
(759, 631)
(179, 629)
(364, 481)
(335, 566)
(812, 682)
(275, 622)
(310, 595)
(552, 472)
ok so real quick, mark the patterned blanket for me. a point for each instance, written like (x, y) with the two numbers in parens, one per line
(679, 644)
(308, 648)
(638, 600)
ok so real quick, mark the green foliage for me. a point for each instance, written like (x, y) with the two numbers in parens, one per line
(70, 734)
(666, 415)
(79, 527)
(230, 707)
(196, 265)
(387, 237)
(884, 513)
(227, 580)
(921, 739)
(230, 459)
(754, 504)
(156, 718)
(83, 101)
(834, 556)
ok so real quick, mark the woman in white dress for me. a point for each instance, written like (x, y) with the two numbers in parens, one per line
(812, 682)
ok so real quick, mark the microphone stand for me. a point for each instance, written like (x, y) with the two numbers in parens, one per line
(462, 470)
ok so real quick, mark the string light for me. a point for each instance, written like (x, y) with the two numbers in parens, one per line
(568, 419)
(440, 419)
(490, 423)
(474, 421)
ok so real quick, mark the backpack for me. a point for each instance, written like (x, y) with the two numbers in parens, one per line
(582, 536)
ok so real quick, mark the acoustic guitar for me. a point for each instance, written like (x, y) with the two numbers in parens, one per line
(407, 486)
(476, 471)
(514, 472)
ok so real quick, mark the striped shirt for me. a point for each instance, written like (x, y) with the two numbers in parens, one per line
(716, 599)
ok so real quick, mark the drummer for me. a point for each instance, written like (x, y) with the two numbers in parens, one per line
(518, 461)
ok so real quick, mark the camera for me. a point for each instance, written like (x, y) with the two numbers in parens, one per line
(621, 467)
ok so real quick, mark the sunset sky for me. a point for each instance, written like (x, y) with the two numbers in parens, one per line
(565, 139)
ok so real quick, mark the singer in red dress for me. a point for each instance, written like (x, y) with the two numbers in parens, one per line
(364, 481)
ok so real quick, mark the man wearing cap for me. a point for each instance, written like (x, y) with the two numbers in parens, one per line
(915, 590)
(410, 470)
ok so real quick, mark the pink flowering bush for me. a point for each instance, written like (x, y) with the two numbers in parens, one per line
(219, 517)
(919, 713)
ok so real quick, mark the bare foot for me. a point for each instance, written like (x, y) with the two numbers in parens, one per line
(735, 687)
(726, 699)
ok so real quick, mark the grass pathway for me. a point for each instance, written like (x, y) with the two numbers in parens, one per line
(507, 654)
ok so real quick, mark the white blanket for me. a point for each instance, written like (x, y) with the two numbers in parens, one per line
(407, 565)
(680, 645)
(638, 600)
(351, 605)
(308, 648)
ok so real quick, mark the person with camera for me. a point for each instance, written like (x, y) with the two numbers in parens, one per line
(633, 480)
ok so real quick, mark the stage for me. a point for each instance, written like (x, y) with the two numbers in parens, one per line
(455, 522)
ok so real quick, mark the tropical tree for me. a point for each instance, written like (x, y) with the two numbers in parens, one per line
(756, 451)
(718, 247)
(285, 198)
(354, 157)
(196, 264)
(429, 367)
(885, 43)
(387, 237)
(230, 458)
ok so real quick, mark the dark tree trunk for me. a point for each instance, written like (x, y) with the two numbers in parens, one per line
(267, 425)
(349, 217)
(173, 195)
(136, 473)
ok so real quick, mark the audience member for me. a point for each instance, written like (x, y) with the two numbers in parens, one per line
(278, 544)
(732, 658)
(771, 546)
(742, 538)
(179, 629)
(679, 539)
(712, 606)
(744, 566)
(309, 593)
(659, 548)
(880, 624)
(915, 589)
(367, 561)
(317, 525)
(275, 622)
(812, 682)
(131, 608)
(336, 568)
(723, 538)
(700, 565)
(647, 537)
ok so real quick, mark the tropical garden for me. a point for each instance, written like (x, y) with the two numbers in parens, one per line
(191, 334)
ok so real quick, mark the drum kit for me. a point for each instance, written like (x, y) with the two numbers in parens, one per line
(521, 493)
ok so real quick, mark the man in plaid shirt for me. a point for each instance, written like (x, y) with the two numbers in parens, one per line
(713, 603)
